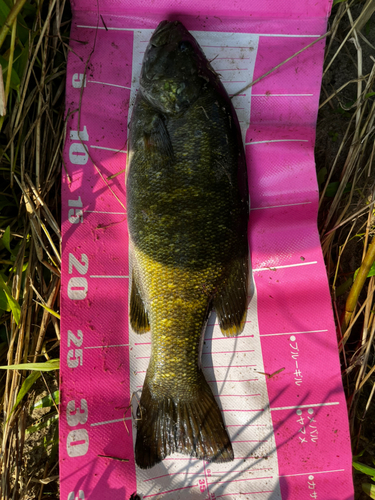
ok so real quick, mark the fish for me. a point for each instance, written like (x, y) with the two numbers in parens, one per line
(187, 213)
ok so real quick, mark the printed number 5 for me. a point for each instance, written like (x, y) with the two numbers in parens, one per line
(75, 358)
(81, 413)
(75, 215)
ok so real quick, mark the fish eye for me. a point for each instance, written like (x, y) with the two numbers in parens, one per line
(184, 46)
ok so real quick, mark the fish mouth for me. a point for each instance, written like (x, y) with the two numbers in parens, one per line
(167, 32)
(174, 68)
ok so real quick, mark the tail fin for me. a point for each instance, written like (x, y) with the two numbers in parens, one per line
(191, 426)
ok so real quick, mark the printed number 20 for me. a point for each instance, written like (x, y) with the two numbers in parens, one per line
(78, 287)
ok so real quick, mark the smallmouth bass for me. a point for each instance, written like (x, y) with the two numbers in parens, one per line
(187, 205)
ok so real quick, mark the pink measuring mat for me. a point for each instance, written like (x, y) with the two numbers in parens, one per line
(278, 384)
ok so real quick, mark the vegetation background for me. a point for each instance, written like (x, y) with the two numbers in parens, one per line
(34, 45)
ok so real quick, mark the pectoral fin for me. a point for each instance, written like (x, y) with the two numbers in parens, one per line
(230, 302)
(149, 139)
(156, 138)
(137, 315)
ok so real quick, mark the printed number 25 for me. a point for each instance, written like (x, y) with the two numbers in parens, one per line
(75, 356)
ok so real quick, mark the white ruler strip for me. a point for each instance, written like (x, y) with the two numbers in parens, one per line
(229, 364)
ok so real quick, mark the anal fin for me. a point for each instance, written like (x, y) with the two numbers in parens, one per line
(230, 302)
(137, 315)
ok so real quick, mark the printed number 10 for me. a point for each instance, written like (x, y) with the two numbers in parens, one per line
(78, 154)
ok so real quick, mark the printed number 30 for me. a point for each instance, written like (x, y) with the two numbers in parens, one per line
(77, 443)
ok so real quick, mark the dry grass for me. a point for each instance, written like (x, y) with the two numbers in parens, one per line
(31, 140)
(32, 136)
(347, 216)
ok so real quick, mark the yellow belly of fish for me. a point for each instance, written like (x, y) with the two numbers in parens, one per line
(177, 301)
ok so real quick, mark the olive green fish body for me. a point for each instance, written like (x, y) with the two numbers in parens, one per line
(187, 203)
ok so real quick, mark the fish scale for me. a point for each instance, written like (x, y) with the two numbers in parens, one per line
(175, 298)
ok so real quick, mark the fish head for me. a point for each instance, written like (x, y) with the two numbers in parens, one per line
(174, 69)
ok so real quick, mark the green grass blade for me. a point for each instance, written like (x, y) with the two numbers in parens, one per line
(4, 11)
(26, 386)
(365, 469)
(47, 401)
(13, 304)
(369, 489)
(6, 239)
(42, 425)
(370, 273)
(4, 305)
(55, 445)
(48, 366)
(51, 311)
(14, 78)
